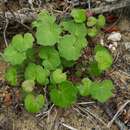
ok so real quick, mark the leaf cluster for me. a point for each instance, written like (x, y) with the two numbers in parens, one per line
(42, 62)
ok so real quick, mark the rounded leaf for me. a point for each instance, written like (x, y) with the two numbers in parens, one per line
(28, 85)
(41, 75)
(101, 21)
(79, 15)
(102, 91)
(65, 95)
(33, 103)
(76, 29)
(85, 87)
(92, 32)
(14, 57)
(104, 59)
(51, 58)
(21, 43)
(11, 76)
(30, 72)
(58, 76)
(70, 47)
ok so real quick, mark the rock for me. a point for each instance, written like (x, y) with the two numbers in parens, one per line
(114, 37)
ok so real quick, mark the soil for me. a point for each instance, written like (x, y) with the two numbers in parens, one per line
(92, 116)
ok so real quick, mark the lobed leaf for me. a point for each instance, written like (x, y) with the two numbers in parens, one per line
(33, 103)
(11, 76)
(65, 95)
(70, 47)
(85, 87)
(79, 15)
(12, 56)
(28, 85)
(51, 58)
(102, 91)
(91, 21)
(58, 76)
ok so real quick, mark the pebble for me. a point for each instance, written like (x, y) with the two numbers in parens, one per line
(114, 37)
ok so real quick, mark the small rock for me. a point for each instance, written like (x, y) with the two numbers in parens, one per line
(114, 36)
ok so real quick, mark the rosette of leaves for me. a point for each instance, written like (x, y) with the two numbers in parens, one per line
(70, 47)
(33, 103)
(58, 76)
(79, 15)
(64, 95)
(15, 53)
(47, 31)
(36, 73)
(51, 58)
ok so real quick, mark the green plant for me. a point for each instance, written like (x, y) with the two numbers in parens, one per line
(43, 62)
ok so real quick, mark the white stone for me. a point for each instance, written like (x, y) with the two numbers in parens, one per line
(114, 36)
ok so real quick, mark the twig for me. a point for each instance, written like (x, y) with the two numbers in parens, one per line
(117, 114)
(95, 116)
(68, 126)
(85, 103)
(118, 122)
(46, 112)
(4, 32)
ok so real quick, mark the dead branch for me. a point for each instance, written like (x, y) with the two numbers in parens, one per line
(29, 15)
(111, 7)
(117, 121)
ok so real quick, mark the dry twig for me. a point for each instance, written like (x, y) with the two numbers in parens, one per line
(117, 114)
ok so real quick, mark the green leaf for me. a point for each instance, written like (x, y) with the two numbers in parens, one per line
(30, 72)
(76, 29)
(34, 104)
(13, 56)
(67, 63)
(58, 76)
(21, 43)
(48, 32)
(44, 17)
(101, 21)
(85, 87)
(79, 15)
(102, 91)
(48, 35)
(104, 59)
(28, 85)
(11, 76)
(51, 58)
(91, 21)
(94, 69)
(30, 53)
(41, 75)
(92, 32)
(99, 48)
(70, 47)
(65, 95)
(36, 72)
